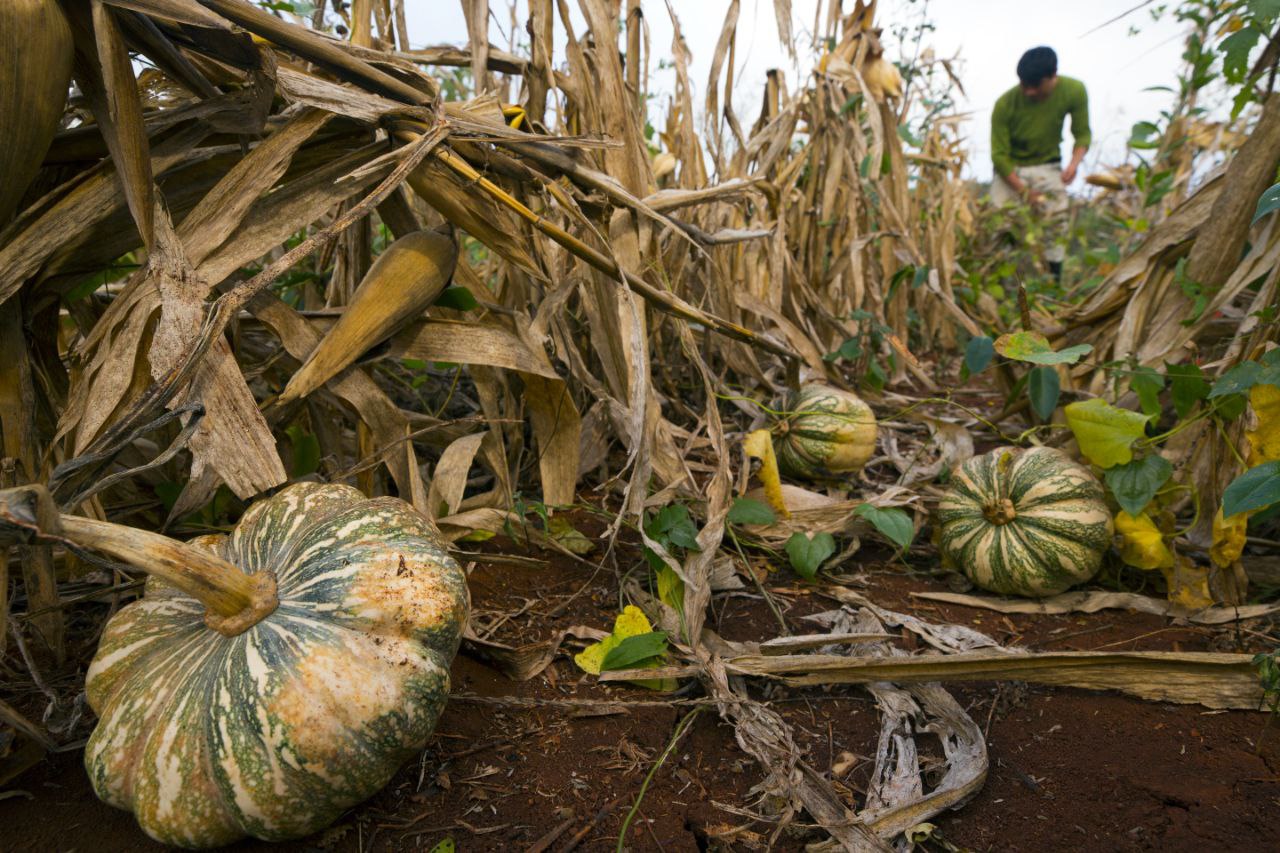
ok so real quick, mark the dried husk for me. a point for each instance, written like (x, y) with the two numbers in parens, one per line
(401, 284)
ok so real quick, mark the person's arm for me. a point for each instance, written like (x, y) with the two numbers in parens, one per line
(1069, 173)
(1080, 133)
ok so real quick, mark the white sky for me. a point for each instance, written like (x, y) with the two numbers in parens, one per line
(987, 35)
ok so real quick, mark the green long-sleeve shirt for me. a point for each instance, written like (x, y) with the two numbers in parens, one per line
(1026, 132)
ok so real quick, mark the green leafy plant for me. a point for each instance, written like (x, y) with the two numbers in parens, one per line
(671, 527)
(807, 552)
(893, 523)
(1042, 384)
(864, 351)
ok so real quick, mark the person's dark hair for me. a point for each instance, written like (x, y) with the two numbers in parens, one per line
(1039, 63)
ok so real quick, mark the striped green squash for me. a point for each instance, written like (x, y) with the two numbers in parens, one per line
(277, 731)
(826, 434)
(1030, 522)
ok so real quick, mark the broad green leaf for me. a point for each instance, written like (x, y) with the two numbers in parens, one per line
(1187, 386)
(1043, 387)
(808, 554)
(849, 351)
(1105, 433)
(1255, 489)
(632, 650)
(1147, 384)
(1135, 483)
(1235, 50)
(458, 298)
(1238, 379)
(1268, 202)
(1034, 347)
(748, 511)
(672, 526)
(978, 354)
(445, 846)
(895, 524)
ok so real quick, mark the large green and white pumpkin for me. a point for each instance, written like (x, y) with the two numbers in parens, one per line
(826, 434)
(274, 732)
(1030, 522)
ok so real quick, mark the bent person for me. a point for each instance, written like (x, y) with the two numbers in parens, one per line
(1026, 144)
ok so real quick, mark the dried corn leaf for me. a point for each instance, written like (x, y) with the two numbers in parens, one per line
(449, 480)
(1206, 678)
(36, 42)
(468, 343)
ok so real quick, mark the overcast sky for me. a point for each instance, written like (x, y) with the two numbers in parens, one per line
(988, 36)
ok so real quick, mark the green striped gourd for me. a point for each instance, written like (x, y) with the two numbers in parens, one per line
(1030, 522)
(276, 731)
(827, 433)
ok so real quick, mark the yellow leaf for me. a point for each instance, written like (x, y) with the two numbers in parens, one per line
(1228, 538)
(592, 657)
(1265, 440)
(759, 445)
(631, 622)
(1189, 585)
(1143, 545)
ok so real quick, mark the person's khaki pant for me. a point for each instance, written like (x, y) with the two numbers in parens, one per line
(1045, 179)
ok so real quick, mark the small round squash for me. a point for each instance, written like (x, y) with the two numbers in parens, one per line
(1030, 522)
(827, 434)
(276, 731)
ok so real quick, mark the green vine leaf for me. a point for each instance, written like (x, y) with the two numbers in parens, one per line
(1187, 387)
(632, 650)
(1147, 384)
(1034, 347)
(1268, 202)
(1135, 483)
(1043, 387)
(894, 524)
(749, 511)
(1255, 489)
(1238, 379)
(807, 554)
(978, 354)
(1105, 433)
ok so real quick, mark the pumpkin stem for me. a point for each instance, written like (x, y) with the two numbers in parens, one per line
(235, 600)
(1000, 511)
